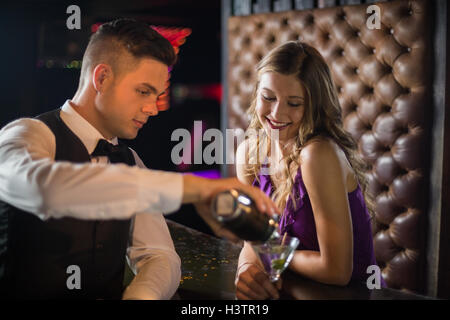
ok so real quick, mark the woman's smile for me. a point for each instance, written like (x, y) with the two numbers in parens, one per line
(277, 125)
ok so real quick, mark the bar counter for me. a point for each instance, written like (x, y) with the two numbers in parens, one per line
(209, 267)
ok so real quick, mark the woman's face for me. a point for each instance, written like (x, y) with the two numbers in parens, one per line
(280, 105)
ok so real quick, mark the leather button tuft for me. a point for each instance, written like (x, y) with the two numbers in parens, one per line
(379, 95)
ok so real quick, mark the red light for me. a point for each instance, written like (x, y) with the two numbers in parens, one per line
(95, 27)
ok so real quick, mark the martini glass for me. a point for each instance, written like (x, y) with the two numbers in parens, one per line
(276, 254)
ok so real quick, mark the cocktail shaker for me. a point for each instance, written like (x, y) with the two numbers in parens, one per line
(237, 212)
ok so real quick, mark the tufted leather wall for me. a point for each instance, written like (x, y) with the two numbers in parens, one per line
(382, 77)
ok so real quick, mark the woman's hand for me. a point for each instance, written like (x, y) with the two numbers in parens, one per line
(252, 283)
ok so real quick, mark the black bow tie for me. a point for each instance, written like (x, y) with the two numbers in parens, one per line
(116, 154)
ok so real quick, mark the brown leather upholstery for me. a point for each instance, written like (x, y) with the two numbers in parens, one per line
(382, 77)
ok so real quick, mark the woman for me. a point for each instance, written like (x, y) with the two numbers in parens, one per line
(315, 177)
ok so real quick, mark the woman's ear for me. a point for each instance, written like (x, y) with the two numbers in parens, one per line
(100, 76)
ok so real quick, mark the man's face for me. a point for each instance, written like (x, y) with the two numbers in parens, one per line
(128, 101)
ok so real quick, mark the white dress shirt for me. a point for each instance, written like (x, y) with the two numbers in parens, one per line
(31, 180)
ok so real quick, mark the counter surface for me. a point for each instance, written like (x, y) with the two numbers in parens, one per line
(209, 268)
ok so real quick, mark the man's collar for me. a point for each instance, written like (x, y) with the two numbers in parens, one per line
(82, 128)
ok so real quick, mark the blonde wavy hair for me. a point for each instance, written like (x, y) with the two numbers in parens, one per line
(322, 116)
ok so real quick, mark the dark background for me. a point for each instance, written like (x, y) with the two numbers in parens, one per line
(33, 32)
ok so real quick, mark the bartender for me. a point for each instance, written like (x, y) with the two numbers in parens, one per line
(72, 197)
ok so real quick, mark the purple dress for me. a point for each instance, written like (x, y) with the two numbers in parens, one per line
(300, 223)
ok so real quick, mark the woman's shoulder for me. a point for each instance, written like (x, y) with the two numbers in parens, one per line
(241, 148)
(322, 158)
(242, 156)
(242, 163)
(318, 150)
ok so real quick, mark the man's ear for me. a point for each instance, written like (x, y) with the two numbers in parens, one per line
(101, 76)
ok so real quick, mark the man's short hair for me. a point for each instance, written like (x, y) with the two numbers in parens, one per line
(122, 42)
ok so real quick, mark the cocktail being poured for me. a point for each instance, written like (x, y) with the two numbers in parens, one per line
(276, 254)
(238, 213)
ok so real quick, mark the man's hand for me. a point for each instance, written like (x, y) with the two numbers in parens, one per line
(201, 191)
(198, 189)
(204, 211)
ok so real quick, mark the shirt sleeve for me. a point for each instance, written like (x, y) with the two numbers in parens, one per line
(31, 180)
(152, 257)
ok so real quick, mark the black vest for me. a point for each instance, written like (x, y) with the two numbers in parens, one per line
(35, 255)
